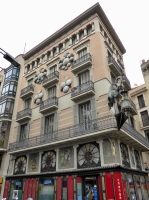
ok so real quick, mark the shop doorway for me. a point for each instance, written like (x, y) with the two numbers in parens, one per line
(90, 188)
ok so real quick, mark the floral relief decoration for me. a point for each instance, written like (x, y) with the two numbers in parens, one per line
(38, 97)
(66, 61)
(65, 85)
(39, 77)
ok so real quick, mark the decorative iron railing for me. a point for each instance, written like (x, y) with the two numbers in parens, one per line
(24, 113)
(91, 126)
(51, 76)
(81, 60)
(85, 87)
(49, 102)
(27, 89)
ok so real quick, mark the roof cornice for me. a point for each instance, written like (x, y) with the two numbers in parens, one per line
(96, 8)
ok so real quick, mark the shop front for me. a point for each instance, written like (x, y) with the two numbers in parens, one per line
(115, 183)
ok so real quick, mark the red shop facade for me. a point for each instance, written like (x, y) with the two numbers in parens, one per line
(104, 183)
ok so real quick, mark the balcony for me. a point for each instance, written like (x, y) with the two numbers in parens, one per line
(81, 63)
(51, 79)
(114, 66)
(28, 91)
(103, 127)
(144, 124)
(126, 83)
(49, 105)
(24, 115)
(82, 91)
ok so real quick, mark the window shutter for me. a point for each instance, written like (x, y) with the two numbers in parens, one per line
(55, 122)
(75, 112)
(18, 133)
(93, 109)
(42, 125)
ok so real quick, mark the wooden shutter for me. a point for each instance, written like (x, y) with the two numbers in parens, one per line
(42, 125)
(55, 121)
(18, 133)
(75, 112)
(93, 109)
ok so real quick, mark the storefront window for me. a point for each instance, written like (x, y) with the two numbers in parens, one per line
(16, 189)
(46, 189)
(131, 186)
(144, 188)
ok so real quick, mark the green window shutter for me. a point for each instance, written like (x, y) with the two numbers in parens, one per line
(93, 109)
(18, 133)
(42, 125)
(55, 121)
(75, 112)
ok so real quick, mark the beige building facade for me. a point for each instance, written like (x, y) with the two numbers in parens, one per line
(63, 141)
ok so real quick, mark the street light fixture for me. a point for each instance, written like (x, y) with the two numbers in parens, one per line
(9, 58)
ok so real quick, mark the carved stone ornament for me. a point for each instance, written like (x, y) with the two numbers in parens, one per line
(38, 97)
(66, 61)
(65, 85)
(39, 77)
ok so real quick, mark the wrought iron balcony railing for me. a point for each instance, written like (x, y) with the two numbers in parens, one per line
(85, 87)
(81, 60)
(48, 103)
(50, 77)
(144, 123)
(86, 128)
(28, 89)
(24, 113)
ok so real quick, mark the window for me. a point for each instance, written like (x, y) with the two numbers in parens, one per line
(23, 132)
(49, 124)
(74, 39)
(147, 134)
(82, 52)
(141, 101)
(89, 30)
(30, 82)
(28, 103)
(145, 118)
(52, 92)
(53, 69)
(84, 77)
(81, 34)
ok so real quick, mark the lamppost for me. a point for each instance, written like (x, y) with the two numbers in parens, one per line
(9, 58)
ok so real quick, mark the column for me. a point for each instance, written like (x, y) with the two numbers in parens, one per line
(70, 41)
(93, 26)
(35, 65)
(64, 45)
(46, 57)
(77, 37)
(85, 32)
(57, 49)
(30, 66)
(51, 55)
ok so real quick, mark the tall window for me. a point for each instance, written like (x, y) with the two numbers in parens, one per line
(145, 118)
(23, 132)
(52, 69)
(28, 103)
(52, 92)
(141, 101)
(85, 113)
(30, 82)
(84, 77)
(49, 124)
(82, 52)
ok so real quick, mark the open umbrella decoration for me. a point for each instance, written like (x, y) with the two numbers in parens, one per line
(66, 61)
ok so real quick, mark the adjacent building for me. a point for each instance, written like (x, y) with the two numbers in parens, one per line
(64, 142)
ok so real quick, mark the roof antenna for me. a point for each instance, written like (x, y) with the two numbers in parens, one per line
(24, 48)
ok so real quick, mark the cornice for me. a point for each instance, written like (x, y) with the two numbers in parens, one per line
(65, 29)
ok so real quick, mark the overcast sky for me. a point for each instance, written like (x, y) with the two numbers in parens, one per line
(31, 21)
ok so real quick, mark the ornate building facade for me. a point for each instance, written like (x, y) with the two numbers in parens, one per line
(64, 142)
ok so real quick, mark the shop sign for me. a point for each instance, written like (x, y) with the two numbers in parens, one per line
(48, 182)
